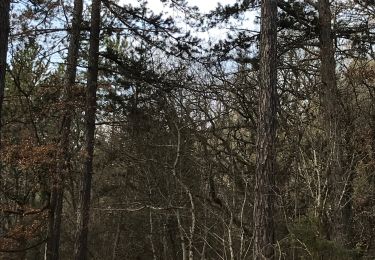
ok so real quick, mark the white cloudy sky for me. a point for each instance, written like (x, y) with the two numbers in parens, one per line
(207, 5)
(204, 5)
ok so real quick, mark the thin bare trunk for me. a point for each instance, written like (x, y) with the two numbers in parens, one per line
(242, 242)
(182, 238)
(116, 242)
(266, 138)
(230, 241)
(152, 236)
(192, 227)
(83, 215)
(190, 254)
(165, 241)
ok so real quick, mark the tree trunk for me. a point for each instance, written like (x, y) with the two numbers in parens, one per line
(57, 191)
(266, 137)
(80, 252)
(117, 239)
(339, 185)
(4, 35)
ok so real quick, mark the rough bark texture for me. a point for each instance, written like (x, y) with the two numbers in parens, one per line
(4, 35)
(339, 183)
(56, 204)
(80, 252)
(265, 168)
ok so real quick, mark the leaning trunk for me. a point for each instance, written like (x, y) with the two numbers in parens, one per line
(80, 252)
(57, 191)
(265, 164)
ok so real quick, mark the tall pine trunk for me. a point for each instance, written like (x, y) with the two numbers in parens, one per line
(339, 185)
(80, 251)
(57, 191)
(266, 137)
(4, 35)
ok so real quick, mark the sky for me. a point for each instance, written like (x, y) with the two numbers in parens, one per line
(203, 5)
(207, 5)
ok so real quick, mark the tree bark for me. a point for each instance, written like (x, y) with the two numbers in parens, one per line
(266, 136)
(57, 191)
(116, 242)
(339, 185)
(4, 36)
(80, 252)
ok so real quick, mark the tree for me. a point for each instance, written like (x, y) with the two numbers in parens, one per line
(264, 237)
(177, 144)
(57, 191)
(4, 34)
(26, 159)
(339, 185)
(80, 252)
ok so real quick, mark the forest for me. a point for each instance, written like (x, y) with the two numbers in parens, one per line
(244, 132)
